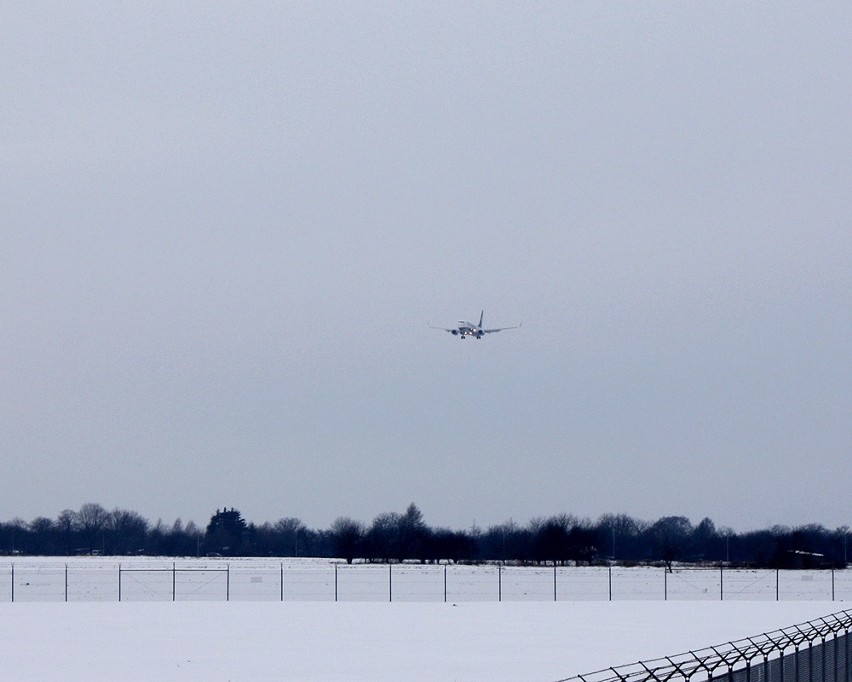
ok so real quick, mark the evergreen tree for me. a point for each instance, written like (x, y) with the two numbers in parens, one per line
(226, 532)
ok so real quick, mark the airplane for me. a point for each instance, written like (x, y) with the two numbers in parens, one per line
(465, 329)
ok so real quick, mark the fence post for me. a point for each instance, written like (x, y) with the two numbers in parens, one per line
(390, 582)
(445, 583)
(836, 652)
(554, 582)
(119, 581)
(721, 583)
(810, 661)
(66, 582)
(282, 581)
(13, 582)
(174, 582)
(777, 593)
(610, 583)
(832, 584)
(227, 582)
(499, 583)
(665, 584)
(335, 582)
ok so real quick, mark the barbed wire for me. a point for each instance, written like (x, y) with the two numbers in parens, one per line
(704, 664)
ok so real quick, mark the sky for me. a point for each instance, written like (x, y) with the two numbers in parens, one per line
(225, 229)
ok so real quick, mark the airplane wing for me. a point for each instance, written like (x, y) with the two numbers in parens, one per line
(500, 329)
(443, 328)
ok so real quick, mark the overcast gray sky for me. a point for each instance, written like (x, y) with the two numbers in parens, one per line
(225, 226)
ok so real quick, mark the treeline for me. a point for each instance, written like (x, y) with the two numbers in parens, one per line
(392, 536)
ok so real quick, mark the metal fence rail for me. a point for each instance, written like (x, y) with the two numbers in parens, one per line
(220, 580)
(817, 651)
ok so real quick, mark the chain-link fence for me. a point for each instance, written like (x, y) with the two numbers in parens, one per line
(262, 580)
(817, 651)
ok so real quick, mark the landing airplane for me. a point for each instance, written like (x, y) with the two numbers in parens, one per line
(465, 329)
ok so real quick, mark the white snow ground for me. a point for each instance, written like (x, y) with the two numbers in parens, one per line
(366, 641)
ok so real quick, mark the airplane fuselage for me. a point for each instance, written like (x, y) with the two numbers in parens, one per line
(466, 329)
(463, 329)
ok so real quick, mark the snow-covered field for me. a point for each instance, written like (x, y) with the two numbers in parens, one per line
(157, 579)
(366, 636)
(87, 641)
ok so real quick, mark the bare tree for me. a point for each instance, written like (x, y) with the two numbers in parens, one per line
(670, 538)
(347, 537)
(93, 521)
(383, 537)
(128, 531)
(288, 530)
(66, 522)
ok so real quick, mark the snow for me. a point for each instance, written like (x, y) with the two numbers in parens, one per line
(155, 578)
(367, 641)
(282, 623)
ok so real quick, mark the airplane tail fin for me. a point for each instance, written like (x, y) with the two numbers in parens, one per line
(481, 315)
